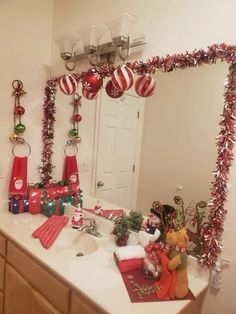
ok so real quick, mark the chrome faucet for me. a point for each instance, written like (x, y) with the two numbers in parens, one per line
(90, 228)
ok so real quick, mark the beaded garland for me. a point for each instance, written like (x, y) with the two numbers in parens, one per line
(225, 141)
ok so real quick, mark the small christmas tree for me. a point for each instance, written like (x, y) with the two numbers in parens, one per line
(135, 220)
(121, 230)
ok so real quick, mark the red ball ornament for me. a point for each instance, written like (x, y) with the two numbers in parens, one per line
(89, 95)
(122, 78)
(112, 91)
(68, 84)
(19, 110)
(145, 85)
(92, 81)
(77, 118)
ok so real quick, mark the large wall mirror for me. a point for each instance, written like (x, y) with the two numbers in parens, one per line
(180, 154)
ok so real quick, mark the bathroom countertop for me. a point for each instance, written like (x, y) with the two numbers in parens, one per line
(95, 274)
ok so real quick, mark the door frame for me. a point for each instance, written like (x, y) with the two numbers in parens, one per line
(138, 146)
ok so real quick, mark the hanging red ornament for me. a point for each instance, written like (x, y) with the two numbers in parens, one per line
(122, 78)
(92, 81)
(89, 94)
(145, 85)
(112, 91)
(19, 110)
(77, 118)
(68, 84)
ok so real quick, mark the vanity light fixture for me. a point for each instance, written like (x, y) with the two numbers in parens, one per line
(121, 43)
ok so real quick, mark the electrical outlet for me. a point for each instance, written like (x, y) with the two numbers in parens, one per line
(84, 167)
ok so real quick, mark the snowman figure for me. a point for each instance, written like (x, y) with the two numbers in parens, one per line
(78, 218)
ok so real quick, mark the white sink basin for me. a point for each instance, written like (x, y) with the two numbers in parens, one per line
(75, 243)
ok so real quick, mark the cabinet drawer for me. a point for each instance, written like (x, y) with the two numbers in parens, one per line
(82, 305)
(3, 242)
(2, 272)
(41, 305)
(1, 302)
(50, 287)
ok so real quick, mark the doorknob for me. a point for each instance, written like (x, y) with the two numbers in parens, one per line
(100, 184)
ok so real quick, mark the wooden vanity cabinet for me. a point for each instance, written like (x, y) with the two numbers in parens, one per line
(28, 287)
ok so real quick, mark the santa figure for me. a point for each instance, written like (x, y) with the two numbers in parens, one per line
(78, 218)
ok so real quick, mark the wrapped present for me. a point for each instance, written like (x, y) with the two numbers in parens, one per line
(36, 197)
(53, 207)
(18, 204)
(52, 199)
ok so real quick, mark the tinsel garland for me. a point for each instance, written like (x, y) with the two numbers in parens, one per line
(225, 141)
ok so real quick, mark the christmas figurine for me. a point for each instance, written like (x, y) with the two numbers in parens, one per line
(78, 218)
(98, 208)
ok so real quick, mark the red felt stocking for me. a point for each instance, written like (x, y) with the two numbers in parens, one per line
(71, 172)
(18, 180)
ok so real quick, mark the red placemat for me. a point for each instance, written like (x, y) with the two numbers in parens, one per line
(132, 278)
(107, 212)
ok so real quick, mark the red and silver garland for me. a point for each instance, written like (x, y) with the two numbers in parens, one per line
(225, 141)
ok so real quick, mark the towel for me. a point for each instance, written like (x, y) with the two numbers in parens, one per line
(129, 264)
(129, 252)
(18, 179)
(50, 229)
(167, 280)
(71, 172)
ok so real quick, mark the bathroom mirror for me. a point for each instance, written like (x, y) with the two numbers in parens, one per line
(224, 141)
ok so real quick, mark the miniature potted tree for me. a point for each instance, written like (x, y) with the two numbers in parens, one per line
(121, 230)
(135, 220)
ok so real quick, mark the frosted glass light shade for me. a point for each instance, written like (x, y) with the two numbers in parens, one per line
(67, 43)
(91, 36)
(120, 24)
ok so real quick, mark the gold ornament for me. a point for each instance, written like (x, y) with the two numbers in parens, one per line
(13, 138)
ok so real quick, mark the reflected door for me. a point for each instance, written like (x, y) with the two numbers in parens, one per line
(117, 144)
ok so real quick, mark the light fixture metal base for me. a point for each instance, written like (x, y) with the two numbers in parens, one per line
(106, 52)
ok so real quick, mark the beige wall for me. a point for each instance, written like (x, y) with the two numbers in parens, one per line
(25, 35)
(180, 125)
(170, 26)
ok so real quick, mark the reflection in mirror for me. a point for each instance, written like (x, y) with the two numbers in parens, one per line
(178, 151)
(180, 126)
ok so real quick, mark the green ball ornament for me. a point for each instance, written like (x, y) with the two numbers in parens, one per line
(74, 132)
(19, 128)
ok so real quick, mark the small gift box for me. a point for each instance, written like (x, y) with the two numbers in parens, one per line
(53, 207)
(18, 204)
(52, 199)
(36, 197)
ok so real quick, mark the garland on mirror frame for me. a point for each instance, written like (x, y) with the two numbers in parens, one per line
(225, 141)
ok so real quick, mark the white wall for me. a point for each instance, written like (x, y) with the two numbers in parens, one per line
(171, 26)
(25, 35)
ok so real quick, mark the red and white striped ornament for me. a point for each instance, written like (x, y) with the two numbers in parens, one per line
(68, 84)
(145, 85)
(112, 91)
(89, 95)
(122, 78)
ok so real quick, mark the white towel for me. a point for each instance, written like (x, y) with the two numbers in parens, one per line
(129, 252)
(145, 238)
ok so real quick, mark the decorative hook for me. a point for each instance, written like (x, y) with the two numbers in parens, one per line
(67, 62)
(128, 49)
(98, 55)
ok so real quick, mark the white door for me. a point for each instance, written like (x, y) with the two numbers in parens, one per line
(116, 153)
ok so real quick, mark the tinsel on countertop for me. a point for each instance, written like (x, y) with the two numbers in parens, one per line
(225, 141)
